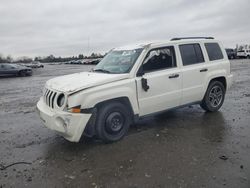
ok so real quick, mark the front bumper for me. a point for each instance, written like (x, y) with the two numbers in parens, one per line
(69, 125)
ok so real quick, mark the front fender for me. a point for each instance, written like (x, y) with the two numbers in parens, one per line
(90, 97)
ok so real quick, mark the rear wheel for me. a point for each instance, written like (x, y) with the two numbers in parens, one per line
(113, 121)
(214, 97)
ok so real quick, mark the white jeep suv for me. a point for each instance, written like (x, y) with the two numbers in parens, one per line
(135, 81)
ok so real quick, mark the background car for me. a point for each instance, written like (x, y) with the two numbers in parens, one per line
(14, 69)
(243, 53)
(231, 53)
(34, 64)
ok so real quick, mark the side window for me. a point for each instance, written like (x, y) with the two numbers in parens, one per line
(214, 52)
(191, 54)
(161, 58)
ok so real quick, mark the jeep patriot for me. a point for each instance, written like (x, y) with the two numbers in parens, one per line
(135, 81)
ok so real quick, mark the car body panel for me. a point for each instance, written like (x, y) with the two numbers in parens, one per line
(79, 81)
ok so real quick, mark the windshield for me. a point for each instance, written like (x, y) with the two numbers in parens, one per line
(118, 61)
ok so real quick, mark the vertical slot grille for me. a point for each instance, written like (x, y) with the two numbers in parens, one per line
(49, 97)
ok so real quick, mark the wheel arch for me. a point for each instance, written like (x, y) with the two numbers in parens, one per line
(123, 99)
(221, 79)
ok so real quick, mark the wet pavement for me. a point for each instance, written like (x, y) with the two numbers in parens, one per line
(181, 148)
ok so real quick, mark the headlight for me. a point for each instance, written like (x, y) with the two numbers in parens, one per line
(60, 100)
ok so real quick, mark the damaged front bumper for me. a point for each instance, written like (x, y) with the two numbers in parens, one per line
(69, 125)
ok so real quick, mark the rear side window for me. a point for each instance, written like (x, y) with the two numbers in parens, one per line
(191, 54)
(214, 52)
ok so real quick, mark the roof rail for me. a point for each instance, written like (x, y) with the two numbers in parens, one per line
(181, 38)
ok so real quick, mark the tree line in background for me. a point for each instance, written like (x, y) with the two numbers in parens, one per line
(48, 59)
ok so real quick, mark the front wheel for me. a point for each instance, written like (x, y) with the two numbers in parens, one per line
(214, 97)
(113, 121)
(22, 73)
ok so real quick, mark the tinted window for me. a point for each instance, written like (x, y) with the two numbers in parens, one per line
(161, 58)
(191, 54)
(214, 52)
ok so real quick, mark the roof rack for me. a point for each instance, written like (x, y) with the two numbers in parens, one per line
(181, 38)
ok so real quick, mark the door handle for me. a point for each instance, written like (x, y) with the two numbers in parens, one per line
(204, 70)
(174, 76)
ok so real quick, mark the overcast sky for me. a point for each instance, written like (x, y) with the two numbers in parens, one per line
(64, 27)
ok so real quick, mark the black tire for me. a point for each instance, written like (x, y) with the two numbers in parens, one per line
(22, 73)
(214, 97)
(113, 121)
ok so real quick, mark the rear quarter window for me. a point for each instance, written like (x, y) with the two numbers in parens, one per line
(214, 51)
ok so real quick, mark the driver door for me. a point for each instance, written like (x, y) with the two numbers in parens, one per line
(159, 86)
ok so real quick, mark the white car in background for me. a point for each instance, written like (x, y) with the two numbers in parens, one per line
(243, 53)
(34, 64)
(133, 82)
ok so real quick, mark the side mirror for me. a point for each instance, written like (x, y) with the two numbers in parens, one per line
(144, 84)
(140, 71)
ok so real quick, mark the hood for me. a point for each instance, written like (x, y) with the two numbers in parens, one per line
(79, 81)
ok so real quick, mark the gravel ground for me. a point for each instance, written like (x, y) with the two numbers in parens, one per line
(180, 148)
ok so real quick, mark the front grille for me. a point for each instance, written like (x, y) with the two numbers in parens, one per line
(49, 97)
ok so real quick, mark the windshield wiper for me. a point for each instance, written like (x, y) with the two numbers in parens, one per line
(101, 70)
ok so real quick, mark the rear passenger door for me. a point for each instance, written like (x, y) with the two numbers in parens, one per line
(194, 72)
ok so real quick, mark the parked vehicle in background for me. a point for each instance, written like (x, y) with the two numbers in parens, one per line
(84, 61)
(34, 64)
(77, 62)
(231, 54)
(37, 64)
(244, 53)
(92, 61)
(14, 69)
(133, 82)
